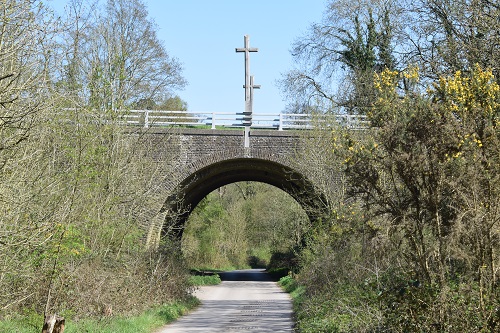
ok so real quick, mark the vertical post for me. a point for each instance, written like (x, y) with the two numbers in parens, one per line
(248, 87)
(246, 142)
(213, 120)
(146, 118)
(280, 126)
(247, 115)
(53, 324)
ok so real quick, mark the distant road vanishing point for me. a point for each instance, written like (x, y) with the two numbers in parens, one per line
(245, 301)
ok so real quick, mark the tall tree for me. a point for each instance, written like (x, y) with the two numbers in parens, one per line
(448, 36)
(354, 41)
(117, 56)
(24, 64)
(72, 189)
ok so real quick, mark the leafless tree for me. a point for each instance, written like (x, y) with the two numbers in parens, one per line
(24, 63)
(121, 60)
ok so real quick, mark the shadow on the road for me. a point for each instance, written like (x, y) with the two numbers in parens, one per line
(246, 301)
(236, 316)
(257, 275)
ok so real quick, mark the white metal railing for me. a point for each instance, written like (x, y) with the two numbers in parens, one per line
(278, 121)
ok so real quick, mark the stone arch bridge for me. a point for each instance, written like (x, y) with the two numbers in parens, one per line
(198, 161)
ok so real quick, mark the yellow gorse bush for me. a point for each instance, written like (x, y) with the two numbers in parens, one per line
(465, 95)
(467, 98)
(459, 92)
(386, 81)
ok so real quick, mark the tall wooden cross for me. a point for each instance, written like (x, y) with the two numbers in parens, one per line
(249, 86)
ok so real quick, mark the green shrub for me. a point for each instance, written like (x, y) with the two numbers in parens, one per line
(288, 283)
(286, 260)
(205, 280)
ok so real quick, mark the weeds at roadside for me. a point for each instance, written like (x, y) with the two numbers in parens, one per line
(143, 323)
(205, 280)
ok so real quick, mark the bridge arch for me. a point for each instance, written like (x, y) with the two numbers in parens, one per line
(198, 184)
(207, 160)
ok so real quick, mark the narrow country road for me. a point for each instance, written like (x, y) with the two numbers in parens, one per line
(245, 301)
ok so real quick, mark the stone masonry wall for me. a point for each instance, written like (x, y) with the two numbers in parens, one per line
(179, 153)
(183, 151)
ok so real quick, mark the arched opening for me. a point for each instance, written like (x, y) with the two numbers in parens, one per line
(200, 183)
(242, 225)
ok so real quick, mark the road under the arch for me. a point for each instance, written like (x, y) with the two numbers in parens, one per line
(245, 301)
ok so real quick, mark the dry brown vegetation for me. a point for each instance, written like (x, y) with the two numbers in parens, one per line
(74, 189)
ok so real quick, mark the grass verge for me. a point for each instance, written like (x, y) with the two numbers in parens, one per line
(345, 308)
(204, 280)
(291, 286)
(144, 323)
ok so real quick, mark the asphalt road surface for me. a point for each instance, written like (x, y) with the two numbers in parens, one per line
(245, 301)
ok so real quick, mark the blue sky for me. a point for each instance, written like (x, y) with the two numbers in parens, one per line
(203, 36)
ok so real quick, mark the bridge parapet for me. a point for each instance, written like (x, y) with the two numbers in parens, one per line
(217, 120)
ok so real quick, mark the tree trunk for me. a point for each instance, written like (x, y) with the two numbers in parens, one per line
(53, 324)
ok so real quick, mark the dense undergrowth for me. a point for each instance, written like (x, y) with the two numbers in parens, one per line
(146, 322)
(76, 190)
(413, 243)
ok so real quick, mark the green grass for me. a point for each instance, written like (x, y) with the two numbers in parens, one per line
(291, 286)
(217, 127)
(144, 323)
(205, 280)
(344, 308)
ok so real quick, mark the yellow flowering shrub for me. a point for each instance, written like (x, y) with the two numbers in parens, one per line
(479, 93)
(474, 103)
(426, 150)
(386, 81)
